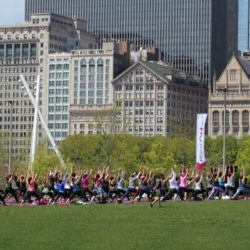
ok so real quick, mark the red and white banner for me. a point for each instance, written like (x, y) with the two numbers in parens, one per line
(200, 141)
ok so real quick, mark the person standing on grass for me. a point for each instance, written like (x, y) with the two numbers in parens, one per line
(9, 189)
(112, 188)
(61, 192)
(120, 184)
(209, 183)
(217, 185)
(31, 190)
(242, 186)
(145, 181)
(182, 191)
(23, 187)
(85, 185)
(173, 186)
(76, 191)
(230, 185)
(132, 185)
(198, 187)
(157, 189)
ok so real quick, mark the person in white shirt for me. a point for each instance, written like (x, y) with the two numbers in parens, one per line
(173, 186)
(198, 187)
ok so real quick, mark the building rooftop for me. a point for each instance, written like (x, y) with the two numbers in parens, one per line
(245, 63)
(167, 73)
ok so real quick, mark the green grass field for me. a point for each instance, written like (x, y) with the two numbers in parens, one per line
(188, 225)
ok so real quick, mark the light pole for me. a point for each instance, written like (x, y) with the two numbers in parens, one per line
(225, 126)
(10, 137)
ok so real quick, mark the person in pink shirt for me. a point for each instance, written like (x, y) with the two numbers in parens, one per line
(85, 185)
(31, 190)
(183, 183)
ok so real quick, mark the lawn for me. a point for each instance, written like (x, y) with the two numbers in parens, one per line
(189, 225)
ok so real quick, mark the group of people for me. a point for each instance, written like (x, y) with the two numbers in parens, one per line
(103, 186)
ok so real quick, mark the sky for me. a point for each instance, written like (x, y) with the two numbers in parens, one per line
(11, 11)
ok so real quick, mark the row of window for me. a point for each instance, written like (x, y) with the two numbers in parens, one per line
(58, 117)
(24, 36)
(59, 67)
(218, 119)
(12, 70)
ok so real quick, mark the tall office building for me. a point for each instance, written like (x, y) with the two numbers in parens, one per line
(244, 25)
(24, 49)
(197, 36)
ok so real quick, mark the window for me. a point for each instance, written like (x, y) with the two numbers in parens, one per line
(233, 74)
(245, 122)
(235, 117)
(216, 122)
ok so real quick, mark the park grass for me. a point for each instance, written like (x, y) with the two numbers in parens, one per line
(188, 225)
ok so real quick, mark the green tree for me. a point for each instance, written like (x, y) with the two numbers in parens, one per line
(243, 156)
(45, 161)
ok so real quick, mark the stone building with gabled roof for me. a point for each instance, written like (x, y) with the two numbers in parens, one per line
(235, 80)
(155, 99)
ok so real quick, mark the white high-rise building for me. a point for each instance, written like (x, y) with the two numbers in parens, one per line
(82, 78)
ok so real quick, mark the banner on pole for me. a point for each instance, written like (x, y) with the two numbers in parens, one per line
(200, 141)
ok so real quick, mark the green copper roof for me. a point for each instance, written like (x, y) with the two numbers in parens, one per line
(161, 70)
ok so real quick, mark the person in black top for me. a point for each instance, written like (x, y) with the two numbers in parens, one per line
(9, 189)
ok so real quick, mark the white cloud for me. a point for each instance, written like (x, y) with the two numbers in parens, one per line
(11, 11)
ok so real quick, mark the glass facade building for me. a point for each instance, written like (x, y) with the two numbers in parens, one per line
(197, 36)
(244, 25)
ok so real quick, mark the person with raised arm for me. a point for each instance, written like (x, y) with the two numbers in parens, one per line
(85, 185)
(120, 184)
(31, 190)
(157, 189)
(173, 186)
(198, 187)
(76, 191)
(182, 191)
(145, 180)
(242, 185)
(9, 189)
(230, 184)
(217, 185)
(132, 188)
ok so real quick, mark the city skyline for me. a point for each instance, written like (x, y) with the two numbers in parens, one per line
(196, 36)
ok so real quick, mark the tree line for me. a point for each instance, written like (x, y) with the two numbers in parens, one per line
(130, 153)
